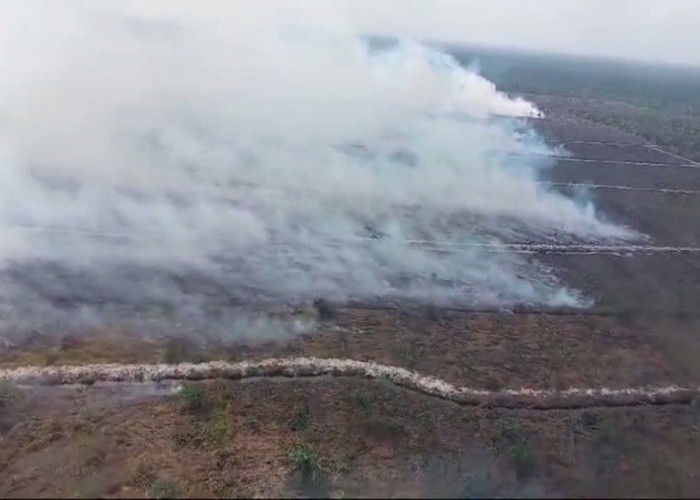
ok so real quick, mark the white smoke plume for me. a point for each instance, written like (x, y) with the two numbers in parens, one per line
(265, 152)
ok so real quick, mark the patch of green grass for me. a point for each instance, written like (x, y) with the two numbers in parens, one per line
(300, 420)
(193, 398)
(512, 442)
(305, 458)
(214, 431)
(522, 459)
(397, 425)
(163, 488)
(362, 398)
(8, 394)
(546, 379)
(310, 474)
(616, 434)
(426, 422)
(407, 353)
(210, 421)
(606, 435)
(219, 428)
(588, 420)
(388, 426)
(509, 432)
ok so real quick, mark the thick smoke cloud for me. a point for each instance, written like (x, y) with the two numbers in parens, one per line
(237, 153)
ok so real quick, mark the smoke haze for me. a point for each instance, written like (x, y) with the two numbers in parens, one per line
(198, 160)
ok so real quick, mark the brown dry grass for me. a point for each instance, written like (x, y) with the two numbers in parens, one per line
(371, 439)
(365, 438)
(478, 349)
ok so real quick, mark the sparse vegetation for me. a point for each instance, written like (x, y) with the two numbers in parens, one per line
(387, 426)
(93, 486)
(8, 395)
(193, 398)
(144, 473)
(219, 427)
(512, 442)
(432, 313)
(362, 398)
(407, 352)
(209, 417)
(493, 383)
(310, 474)
(182, 350)
(163, 488)
(626, 316)
(305, 458)
(326, 310)
(589, 420)
(478, 485)
(300, 419)
(213, 430)
(522, 459)
(509, 433)
(93, 451)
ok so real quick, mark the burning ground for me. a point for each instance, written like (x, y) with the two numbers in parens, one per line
(190, 197)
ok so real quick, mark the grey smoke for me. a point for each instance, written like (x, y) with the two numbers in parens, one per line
(210, 160)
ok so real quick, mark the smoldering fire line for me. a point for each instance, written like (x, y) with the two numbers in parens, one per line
(618, 187)
(603, 161)
(428, 245)
(623, 162)
(542, 399)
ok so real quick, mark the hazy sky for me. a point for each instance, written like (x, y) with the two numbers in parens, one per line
(661, 30)
(666, 30)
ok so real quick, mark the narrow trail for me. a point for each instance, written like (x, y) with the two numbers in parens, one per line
(606, 143)
(624, 162)
(678, 157)
(540, 399)
(618, 187)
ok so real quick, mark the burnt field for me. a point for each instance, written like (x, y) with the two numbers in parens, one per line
(254, 254)
(612, 152)
(645, 177)
(342, 436)
(629, 183)
(661, 204)
(354, 437)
